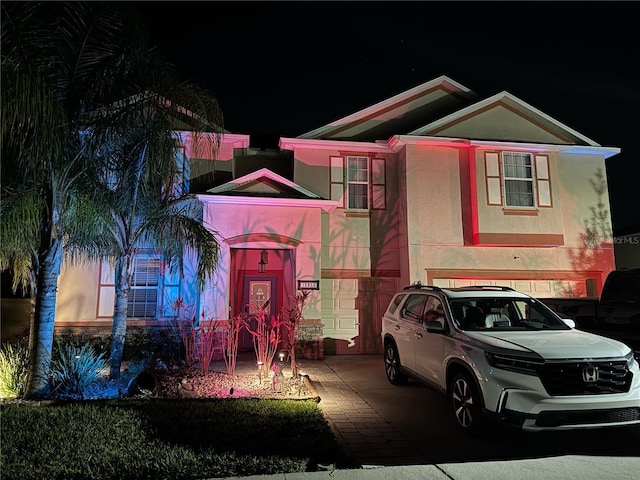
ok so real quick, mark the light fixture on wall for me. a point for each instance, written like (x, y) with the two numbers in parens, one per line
(264, 260)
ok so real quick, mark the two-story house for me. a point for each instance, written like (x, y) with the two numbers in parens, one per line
(433, 185)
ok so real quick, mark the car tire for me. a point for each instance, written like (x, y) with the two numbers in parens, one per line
(392, 366)
(466, 403)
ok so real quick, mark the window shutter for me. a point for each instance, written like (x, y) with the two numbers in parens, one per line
(378, 182)
(542, 181)
(492, 175)
(337, 180)
(106, 292)
(171, 290)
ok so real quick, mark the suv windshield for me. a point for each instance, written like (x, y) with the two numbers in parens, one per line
(502, 313)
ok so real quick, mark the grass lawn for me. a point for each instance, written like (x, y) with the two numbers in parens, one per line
(163, 438)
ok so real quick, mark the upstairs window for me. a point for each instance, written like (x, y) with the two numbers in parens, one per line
(358, 182)
(518, 179)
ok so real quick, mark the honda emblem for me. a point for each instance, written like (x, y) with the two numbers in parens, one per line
(590, 374)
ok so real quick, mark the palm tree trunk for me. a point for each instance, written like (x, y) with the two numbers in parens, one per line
(123, 280)
(42, 323)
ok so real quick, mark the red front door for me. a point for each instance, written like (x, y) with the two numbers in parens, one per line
(257, 290)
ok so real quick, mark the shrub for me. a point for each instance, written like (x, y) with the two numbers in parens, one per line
(14, 369)
(138, 345)
(75, 368)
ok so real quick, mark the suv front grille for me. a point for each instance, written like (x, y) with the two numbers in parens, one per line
(586, 378)
(590, 417)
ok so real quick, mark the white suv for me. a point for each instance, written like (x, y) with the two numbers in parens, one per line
(498, 353)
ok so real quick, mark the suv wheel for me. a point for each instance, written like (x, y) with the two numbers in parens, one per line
(466, 403)
(392, 365)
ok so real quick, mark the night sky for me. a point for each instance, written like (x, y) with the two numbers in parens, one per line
(285, 68)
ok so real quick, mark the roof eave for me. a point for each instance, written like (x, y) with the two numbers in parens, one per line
(293, 143)
(326, 205)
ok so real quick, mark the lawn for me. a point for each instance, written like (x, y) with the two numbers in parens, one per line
(165, 438)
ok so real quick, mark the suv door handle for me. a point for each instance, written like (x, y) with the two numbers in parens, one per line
(418, 336)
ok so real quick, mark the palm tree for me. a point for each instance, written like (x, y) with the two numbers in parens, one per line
(64, 67)
(147, 204)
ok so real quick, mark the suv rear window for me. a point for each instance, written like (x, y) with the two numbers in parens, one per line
(396, 301)
(413, 308)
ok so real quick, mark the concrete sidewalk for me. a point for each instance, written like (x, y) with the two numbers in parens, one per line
(384, 454)
(555, 468)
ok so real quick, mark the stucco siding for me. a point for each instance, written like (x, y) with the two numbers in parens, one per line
(434, 210)
(77, 299)
(501, 123)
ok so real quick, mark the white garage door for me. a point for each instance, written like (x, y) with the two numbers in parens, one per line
(535, 288)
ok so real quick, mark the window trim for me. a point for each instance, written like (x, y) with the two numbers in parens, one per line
(158, 287)
(530, 180)
(366, 183)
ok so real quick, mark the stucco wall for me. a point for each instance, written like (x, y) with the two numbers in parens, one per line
(262, 227)
(77, 299)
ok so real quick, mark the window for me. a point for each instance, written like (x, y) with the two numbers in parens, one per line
(358, 183)
(154, 289)
(518, 179)
(413, 308)
(181, 174)
(395, 303)
(143, 296)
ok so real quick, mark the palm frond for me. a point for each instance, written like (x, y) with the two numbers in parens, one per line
(20, 227)
(176, 230)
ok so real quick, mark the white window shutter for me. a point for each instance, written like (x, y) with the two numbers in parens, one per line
(106, 292)
(542, 181)
(337, 179)
(378, 181)
(492, 177)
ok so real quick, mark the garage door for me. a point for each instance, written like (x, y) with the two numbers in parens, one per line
(535, 288)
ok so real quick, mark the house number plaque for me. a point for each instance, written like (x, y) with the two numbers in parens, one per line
(308, 284)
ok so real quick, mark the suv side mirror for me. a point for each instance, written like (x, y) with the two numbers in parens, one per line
(435, 326)
(570, 323)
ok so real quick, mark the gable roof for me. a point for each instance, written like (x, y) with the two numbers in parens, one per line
(454, 122)
(399, 114)
(443, 108)
(263, 183)
(266, 188)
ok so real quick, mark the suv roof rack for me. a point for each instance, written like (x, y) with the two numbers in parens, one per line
(419, 286)
(485, 287)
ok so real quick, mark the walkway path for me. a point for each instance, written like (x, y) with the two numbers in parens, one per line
(364, 434)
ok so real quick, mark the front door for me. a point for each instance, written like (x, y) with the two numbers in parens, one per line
(257, 290)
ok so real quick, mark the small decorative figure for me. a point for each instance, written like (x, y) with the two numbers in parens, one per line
(275, 380)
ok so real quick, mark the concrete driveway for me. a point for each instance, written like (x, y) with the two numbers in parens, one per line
(383, 424)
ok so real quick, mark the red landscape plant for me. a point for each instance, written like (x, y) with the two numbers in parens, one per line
(290, 318)
(182, 322)
(205, 346)
(231, 341)
(266, 337)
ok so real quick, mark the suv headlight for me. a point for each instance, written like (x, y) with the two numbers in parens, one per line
(527, 366)
(632, 358)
